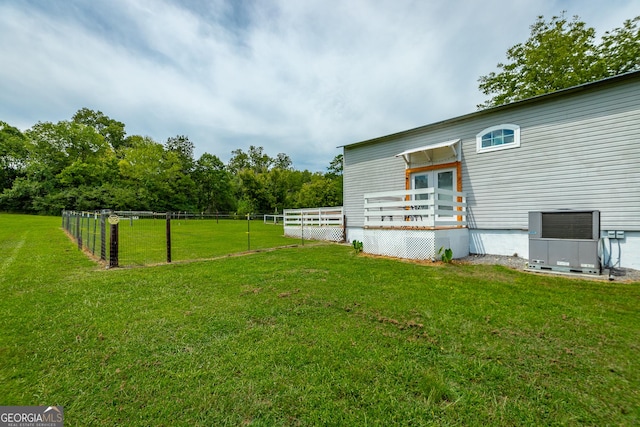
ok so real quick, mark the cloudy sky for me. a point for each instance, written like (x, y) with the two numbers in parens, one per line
(300, 77)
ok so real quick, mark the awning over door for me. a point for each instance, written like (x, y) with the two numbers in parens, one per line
(427, 150)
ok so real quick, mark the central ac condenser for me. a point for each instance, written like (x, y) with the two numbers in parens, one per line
(565, 241)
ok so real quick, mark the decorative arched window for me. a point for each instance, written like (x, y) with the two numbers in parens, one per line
(498, 137)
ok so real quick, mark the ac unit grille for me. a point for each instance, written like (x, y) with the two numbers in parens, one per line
(567, 225)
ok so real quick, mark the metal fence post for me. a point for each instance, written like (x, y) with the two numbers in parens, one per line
(344, 228)
(78, 235)
(113, 252)
(95, 226)
(87, 240)
(103, 236)
(169, 237)
(248, 232)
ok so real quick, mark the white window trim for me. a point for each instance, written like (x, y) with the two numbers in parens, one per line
(514, 144)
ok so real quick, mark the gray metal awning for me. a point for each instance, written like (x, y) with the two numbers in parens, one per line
(428, 148)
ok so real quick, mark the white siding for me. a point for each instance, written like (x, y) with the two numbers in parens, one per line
(367, 176)
(580, 150)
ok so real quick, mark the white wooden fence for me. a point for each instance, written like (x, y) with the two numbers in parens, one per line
(315, 223)
(423, 208)
(273, 219)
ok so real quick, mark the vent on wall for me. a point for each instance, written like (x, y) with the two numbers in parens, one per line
(564, 241)
(567, 225)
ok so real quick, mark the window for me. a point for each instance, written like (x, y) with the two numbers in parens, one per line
(498, 138)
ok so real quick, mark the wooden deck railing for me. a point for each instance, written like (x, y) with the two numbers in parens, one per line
(423, 208)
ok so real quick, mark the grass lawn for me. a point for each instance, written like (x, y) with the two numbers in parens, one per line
(312, 335)
(193, 239)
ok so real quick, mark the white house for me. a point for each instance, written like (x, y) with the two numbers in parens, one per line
(469, 182)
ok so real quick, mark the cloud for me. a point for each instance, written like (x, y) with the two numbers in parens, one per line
(295, 77)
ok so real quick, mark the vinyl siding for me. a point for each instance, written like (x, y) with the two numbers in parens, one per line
(578, 151)
(382, 173)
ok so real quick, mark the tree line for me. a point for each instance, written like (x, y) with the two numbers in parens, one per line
(89, 163)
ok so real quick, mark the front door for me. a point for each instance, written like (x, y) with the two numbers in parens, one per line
(443, 179)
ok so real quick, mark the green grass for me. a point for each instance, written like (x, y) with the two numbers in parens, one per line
(194, 239)
(313, 335)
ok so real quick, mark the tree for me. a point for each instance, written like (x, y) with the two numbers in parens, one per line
(321, 191)
(259, 181)
(20, 197)
(183, 148)
(111, 130)
(61, 156)
(181, 195)
(213, 186)
(13, 154)
(279, 185)
(255, 159)
(283, 162)
(336, 166)
(560, 54)
(239, 161)
(260, 162)
(288, 185)
(622, 48)
(145, 169)
(54, 146)
(254, 196)
(334, 175)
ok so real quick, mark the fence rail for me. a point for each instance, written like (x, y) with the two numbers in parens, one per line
(314, 217)
(327, 223)
(273, 219)
(422, 208)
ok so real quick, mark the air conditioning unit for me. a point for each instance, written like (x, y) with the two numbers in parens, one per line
(565, 241)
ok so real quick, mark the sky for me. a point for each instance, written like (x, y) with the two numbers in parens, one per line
(301, 77)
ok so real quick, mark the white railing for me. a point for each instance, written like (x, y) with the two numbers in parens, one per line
(273, 219)
(314, 217)
(423, 208)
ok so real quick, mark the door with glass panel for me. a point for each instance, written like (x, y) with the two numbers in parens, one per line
(445, 181)
(441, 179)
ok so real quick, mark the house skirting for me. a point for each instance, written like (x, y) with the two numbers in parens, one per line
(499, 242)
(411, 244)
(424, 244)
(614, 252)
